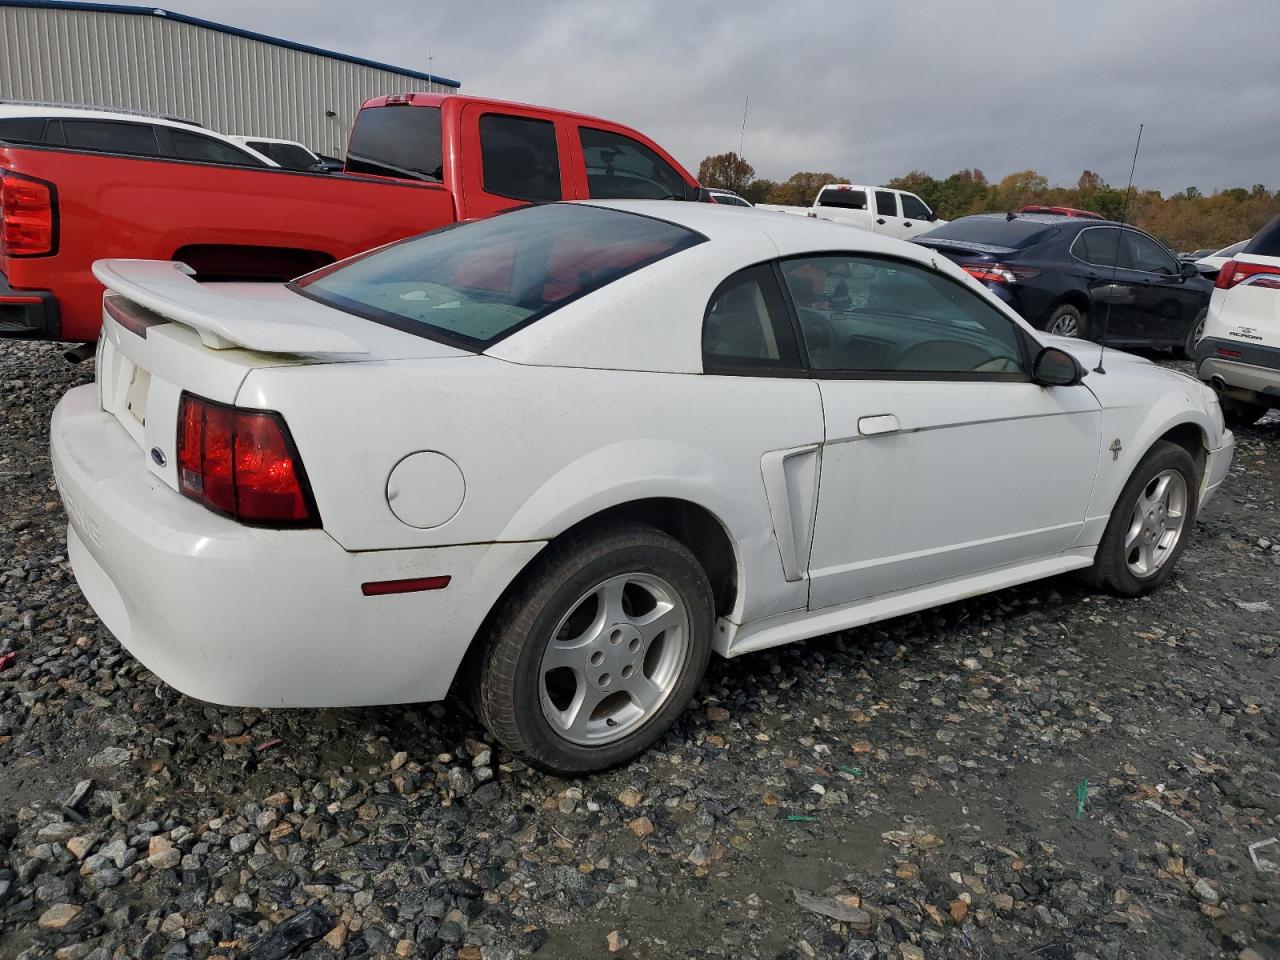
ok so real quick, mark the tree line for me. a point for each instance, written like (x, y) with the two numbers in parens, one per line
(1186, 220)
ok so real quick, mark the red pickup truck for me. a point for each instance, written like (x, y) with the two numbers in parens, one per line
(414, 162)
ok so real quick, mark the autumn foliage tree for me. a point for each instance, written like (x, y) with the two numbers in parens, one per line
(727, 171)
(1186, 220)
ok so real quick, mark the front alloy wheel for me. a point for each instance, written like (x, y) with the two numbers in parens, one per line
(1155, 528)
(1150, 523)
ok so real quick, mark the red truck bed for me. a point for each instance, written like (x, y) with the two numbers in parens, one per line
(423, 161)
(226, 222)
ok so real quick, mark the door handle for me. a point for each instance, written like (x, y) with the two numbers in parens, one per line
(906, 223)
(878, 425)
(881, 221)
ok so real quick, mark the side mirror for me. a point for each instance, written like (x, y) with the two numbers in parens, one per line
(1054, 367)
(933, 215)
(1189, 269)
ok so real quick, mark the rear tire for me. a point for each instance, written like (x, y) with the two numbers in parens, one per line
(1188, 349)
(1141, 546)
(580, 672)
(1067, 321)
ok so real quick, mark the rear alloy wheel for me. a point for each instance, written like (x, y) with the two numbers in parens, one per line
(1150, 523)
(1066, 321)
(598, 651)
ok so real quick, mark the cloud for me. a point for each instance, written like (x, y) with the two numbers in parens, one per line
(866, 90)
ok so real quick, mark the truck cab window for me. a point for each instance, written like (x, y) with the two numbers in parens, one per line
(397, 141)
(913, 207)
(886, 203)
(843, 198)
(519, 157)
(619, 167)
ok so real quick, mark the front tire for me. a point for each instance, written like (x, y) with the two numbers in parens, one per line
(1067, 321)
(1150, 523)
(595, 655)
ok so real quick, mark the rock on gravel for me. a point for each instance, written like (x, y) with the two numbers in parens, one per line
(1046, 772)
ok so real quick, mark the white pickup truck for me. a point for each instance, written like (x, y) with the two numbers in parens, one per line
(879, 209)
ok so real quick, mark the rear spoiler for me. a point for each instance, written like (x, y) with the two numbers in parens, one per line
(223, 322)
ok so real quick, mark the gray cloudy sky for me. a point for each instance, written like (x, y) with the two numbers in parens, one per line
(866, 90)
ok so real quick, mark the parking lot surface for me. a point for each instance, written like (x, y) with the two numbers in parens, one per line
(1042, 772)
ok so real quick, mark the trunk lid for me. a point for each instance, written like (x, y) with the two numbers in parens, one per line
(163, 333)
(962, 250)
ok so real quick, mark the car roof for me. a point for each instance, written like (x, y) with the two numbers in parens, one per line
(54, 111)
(1048, 219)
(792, 234)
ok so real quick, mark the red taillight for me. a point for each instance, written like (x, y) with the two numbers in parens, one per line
(28, 216)
(1234, 272)
(999, 272)
(242, 463)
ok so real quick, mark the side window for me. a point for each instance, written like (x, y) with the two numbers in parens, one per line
(867, 315)
(519, 157)
(111, 136)
(1147, 255)
(619, 167)
(913, 208)
(1097, 246)
(886, 203)
(22, 129)
(746, 328)
(193, 146)
(843, 198)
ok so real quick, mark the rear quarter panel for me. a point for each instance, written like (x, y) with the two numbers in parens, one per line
(542, 448)
(113, 206)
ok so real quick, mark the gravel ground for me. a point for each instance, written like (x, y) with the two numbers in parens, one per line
(1041, 772)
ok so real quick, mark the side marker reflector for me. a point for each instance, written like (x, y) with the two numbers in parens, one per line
(379, 588)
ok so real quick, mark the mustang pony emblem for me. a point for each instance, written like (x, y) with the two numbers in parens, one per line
(1115, 449)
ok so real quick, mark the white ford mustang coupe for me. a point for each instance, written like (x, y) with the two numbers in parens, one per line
(556, 458)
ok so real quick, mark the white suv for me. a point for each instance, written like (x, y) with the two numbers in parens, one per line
(1239, 352)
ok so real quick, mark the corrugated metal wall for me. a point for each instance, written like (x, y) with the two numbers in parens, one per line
(229, 83)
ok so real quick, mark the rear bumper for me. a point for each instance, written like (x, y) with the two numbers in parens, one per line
(1252, 375)
(28, 314)
(251, 617)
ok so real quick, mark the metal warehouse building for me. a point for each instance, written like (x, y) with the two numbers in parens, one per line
(231, 80)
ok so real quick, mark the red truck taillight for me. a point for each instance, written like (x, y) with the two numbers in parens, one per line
(1235, 272)
(28, 216)
(242, 463)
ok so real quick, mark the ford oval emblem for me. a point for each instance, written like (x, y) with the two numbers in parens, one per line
(157, 455)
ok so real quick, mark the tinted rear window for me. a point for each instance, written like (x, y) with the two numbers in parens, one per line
(112, 136)
(844, 199)
(471, 284)
(997, 232)
(1266, 242)
(288, 155)
(22, 129)
(402, 141)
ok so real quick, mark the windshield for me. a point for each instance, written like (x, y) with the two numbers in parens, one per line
(472, 284)
(994, 231)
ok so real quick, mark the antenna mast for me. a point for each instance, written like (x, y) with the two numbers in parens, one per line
(743, 135)
(1115, 262)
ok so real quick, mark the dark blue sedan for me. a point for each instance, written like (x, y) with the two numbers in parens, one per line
(1079, 277)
